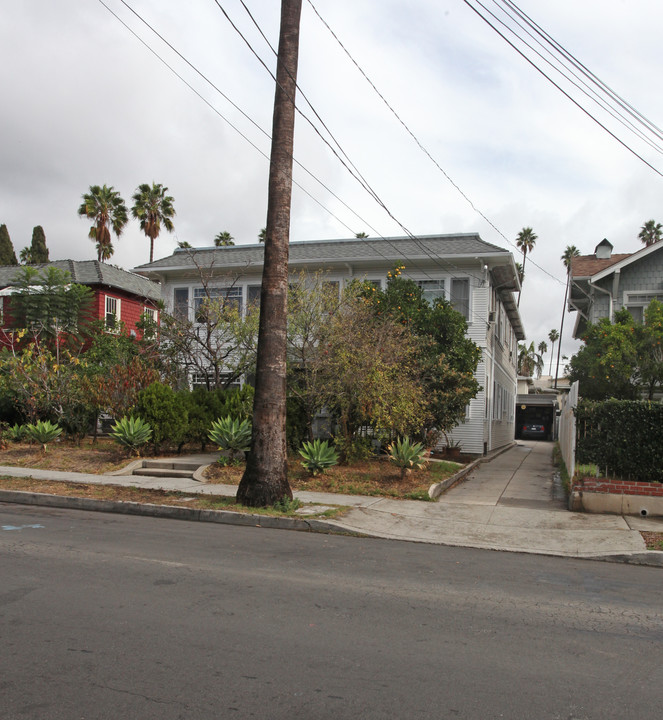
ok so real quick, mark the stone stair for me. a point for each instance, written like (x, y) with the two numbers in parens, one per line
(167, 468)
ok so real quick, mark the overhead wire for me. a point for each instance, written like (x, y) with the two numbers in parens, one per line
(424, 149)
(556, 85)
(179, 76)
(440, 262)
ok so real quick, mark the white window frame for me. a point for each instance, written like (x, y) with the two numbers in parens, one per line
(112, 306)
(639, 299)
(228, 294)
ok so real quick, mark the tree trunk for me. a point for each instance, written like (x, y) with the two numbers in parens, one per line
(265, 480)
(561, 329)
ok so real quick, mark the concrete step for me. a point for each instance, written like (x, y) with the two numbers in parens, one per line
(163, 472)
(171, 465)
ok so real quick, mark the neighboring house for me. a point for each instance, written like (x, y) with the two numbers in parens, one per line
(478, 278)
(119, 296)
(603, 283)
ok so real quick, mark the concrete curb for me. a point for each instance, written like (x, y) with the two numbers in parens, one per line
(172, 512)
(434, 491)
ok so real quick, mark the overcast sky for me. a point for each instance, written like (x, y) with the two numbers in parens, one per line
(84, 102)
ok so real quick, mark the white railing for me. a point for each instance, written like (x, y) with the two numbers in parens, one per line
(567, 429)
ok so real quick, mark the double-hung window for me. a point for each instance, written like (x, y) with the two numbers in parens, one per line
(216, 299)
(431, 290)
(112, 314)
(181, 303)
(460, 296)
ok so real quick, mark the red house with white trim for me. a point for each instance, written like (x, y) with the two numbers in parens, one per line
(119, 296)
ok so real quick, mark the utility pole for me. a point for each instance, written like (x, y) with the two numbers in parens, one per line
(265, 480)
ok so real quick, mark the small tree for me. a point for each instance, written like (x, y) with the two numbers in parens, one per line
(159, 406)
(49, 305)
(7, 252)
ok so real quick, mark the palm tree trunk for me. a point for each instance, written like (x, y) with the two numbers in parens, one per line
(561, 329)
(265, 480)
(521, 284)
(552, 353)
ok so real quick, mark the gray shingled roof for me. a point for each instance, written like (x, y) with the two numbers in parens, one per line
(353, 250)
(92, 272)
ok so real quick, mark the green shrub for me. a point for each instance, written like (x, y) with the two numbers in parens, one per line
(623, 437)
(163, 409)
(407, 455)
(131, 432)
(232, 435)
(43, 432)
(16, 433)
(318, 456)
(354, 449)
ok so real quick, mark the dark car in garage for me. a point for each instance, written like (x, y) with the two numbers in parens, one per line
(533, 430)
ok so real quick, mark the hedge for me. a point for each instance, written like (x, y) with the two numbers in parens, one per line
(623, 437)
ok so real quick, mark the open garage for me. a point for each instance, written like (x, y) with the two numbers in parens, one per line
(537, 410)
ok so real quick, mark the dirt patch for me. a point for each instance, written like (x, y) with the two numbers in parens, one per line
(120, 493)
(371, 477)
(653, 540)
(88, 457)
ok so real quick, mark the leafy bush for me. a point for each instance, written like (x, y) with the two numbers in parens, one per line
(133, 433)
(161, 407)
(354, 449)
(232, 435)
(407, 455)
(16, 433)
(43, 432)
(318, 456)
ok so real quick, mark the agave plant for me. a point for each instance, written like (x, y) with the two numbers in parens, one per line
(232, 435)
(407, 455)
(133, 433)
(43, 432)
(318, 456)
(17, 433)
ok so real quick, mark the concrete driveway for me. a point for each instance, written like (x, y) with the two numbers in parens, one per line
(521, 477)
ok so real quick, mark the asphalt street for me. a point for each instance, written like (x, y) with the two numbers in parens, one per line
(107, 616)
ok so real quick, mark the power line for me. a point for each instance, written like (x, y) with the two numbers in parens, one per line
(550, 80)
(447, 265)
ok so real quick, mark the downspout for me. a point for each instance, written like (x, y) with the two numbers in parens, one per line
(603, 290)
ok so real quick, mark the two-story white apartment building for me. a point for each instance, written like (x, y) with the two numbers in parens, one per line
(478, 278)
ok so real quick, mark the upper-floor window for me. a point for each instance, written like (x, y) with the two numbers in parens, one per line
(112, 314)
(181, 303)
(431, 289)
(460, 296)
(216, 297)
(253, 296)
(151, 315)
(636, 303)
(456, 290)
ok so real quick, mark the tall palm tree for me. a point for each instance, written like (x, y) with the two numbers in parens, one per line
(525, 241)
(265, 480)
(153, 208)
(543, 349)
(553, 336)
(224, 238)
(567, 258)
(651, 232)
(106, 207)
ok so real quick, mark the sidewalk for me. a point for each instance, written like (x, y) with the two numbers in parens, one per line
(505, 504)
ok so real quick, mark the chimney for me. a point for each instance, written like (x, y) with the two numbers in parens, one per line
(603, 250)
